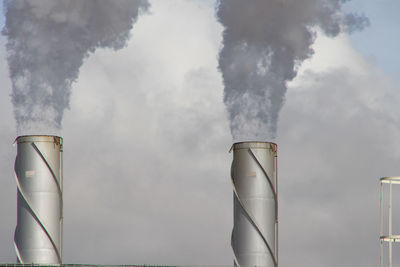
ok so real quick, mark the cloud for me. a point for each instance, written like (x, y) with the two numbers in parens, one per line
(7, 154)
(338, 135)
(152, 150)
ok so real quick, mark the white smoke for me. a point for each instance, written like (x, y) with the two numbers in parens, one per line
(264, 43)
(47, 43)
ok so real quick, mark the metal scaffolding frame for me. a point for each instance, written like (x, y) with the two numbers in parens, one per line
(390, 238)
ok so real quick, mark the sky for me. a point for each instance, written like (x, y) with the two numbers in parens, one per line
(378, 41)
(146, 140)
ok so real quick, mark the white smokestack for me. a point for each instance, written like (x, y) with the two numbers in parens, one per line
(39, 177)
(254, 179)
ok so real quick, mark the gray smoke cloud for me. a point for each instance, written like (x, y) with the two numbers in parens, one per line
(47, 43)
(264, 43)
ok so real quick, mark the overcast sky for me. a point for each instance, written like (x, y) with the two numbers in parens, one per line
(146, 140)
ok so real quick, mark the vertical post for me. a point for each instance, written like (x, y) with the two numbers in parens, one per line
(381, 225)
(61, 174)
(390, 224)
(277, 212)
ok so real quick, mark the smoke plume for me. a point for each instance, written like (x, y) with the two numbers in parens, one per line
(264, 43)
(47, 43)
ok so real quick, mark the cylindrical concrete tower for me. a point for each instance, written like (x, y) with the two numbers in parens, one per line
(38, 172)
(254, 179)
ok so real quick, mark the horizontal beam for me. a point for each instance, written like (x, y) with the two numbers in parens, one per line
(391, 238)
(392, 179)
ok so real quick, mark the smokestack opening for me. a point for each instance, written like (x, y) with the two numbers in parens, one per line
(39, 177)
(254, 179)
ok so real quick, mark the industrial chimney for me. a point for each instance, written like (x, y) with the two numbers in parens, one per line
(254, 178)
(38, 172)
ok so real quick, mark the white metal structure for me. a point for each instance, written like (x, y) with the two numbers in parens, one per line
(38, 172)
(389, 237)
(254, 178)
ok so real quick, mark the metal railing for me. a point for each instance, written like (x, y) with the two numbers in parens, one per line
(99, 265)
(390, 238)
